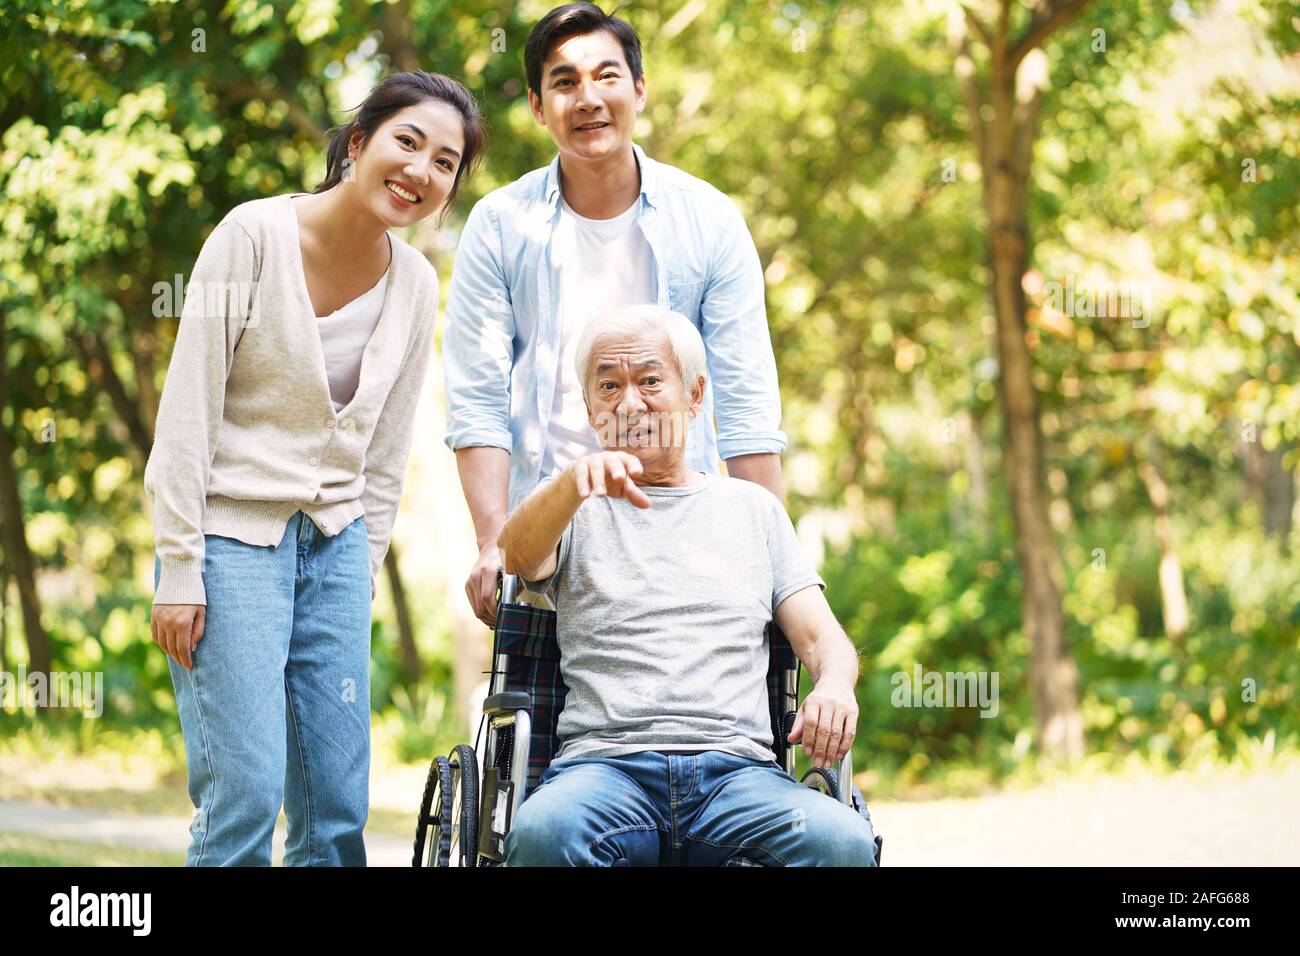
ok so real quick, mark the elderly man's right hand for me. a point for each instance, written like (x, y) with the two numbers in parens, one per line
(609, 473)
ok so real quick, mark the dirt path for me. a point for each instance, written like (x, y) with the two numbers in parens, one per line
(149, 832)
(1217, 818)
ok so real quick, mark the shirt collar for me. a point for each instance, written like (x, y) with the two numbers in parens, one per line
(649, 179)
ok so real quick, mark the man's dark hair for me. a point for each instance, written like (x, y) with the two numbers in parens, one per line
(571, 20)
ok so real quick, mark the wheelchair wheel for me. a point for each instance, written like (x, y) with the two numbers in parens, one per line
(860, 805)
(464, 806)
(827, 781)
(433, 829)
(824, 780)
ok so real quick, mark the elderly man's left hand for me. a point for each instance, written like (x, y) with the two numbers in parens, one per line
(826, 723)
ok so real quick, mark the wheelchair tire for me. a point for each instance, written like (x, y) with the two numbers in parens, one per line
(464, 831)
(860, 805)
(434, 824)
(824, 780)
(827, 781)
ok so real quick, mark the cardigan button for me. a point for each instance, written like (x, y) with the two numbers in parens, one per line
(313, 461)
(330, 423)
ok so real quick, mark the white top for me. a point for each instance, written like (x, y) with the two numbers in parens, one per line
(603, 264)
(344, 334)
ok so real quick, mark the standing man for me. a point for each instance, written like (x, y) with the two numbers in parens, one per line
(601, 227)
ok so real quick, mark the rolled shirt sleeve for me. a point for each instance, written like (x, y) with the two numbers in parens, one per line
(733, 320)
(478, 344)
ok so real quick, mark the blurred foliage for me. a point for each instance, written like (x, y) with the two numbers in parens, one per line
(921, 599)
(1168, 160)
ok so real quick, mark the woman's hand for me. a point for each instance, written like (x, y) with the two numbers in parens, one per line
(177, 629)
(481, 586)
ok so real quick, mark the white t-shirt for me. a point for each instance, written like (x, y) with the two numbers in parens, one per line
(344, 335)
(602, 264)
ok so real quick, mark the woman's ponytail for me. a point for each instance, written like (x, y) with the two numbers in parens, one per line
(336, 158)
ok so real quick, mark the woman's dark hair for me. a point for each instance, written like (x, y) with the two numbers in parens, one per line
(396, 93)
(571, 20)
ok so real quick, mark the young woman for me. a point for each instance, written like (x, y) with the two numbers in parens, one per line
(282, 438)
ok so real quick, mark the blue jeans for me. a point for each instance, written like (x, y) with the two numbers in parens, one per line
(682, 809)
(277, 708)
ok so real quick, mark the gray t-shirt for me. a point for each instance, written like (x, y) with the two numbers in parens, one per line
(661, 617)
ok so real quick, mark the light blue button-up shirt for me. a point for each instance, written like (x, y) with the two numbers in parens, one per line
(500, 347)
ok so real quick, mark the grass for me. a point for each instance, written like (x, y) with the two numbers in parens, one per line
(20, 849)
(43, 762)
(143, 771)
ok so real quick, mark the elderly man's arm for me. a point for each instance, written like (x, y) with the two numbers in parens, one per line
(817, 638)
(532, 532)
(828, 718)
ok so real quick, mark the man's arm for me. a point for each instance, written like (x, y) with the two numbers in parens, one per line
(827, 721)
(742, 368)
(529, 539)
(478, 344)
(485, 478)
(828, 717)
(533, 531)
(817, 639)
(484, 472)
(478, 355)
(763, 469)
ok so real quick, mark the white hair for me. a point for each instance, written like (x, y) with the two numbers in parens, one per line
(684, 341)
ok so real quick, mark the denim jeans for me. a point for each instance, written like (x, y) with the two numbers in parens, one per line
(277, 707)
(706, 808)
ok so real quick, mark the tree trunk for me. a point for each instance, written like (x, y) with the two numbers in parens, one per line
(99, 366)
(1053, 674)
(405, 631)
(1273, 488)
(17, 555)
(979, 486)
(146, 389)
(1004, 137)
(4, 613)
(1173, 596)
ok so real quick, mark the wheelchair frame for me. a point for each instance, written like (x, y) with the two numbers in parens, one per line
(499, 790)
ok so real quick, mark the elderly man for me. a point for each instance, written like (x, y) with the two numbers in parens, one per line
(664, 580)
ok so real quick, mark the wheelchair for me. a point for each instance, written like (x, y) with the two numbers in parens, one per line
(463, 820)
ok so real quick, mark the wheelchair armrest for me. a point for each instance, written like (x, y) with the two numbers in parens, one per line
(507, 702)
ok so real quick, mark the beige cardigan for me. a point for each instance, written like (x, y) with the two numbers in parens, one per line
(247, 434)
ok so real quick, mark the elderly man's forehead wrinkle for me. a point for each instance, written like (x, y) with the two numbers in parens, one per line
(619, 358)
